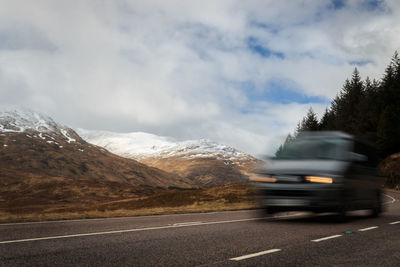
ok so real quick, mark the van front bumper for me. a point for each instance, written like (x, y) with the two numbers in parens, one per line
(290, 197)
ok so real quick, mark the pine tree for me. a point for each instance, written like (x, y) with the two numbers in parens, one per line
(309, 122)
(346, 106)
(327, 120)
(370, 109)
(388, 131)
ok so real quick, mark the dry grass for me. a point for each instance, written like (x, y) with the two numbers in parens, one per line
(200, 207)
(227, 197)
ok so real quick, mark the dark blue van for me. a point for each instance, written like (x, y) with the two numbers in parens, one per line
(321, 172)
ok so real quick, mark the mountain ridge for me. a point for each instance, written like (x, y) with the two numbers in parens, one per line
(42, 161)
(141, 145)
(204, 162)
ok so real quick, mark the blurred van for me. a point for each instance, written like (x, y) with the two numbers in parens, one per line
(321, 172)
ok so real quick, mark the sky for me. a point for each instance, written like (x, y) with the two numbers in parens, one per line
(242, 73)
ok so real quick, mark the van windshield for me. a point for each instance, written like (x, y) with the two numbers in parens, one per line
(315, 148)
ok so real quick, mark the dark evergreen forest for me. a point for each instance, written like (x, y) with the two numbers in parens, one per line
(369, 109)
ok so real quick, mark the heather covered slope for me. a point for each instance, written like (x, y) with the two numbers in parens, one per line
(53, 157)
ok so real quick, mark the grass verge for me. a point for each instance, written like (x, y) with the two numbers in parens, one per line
(220, 198)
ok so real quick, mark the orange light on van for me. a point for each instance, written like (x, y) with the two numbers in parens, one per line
(262, 179)
(317, 179)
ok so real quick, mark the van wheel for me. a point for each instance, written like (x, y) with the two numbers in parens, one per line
(343, 212)
(265, 212)
(377, 209)
(342, 216)
(270, 211)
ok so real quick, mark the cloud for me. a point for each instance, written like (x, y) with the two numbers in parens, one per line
(238, 72)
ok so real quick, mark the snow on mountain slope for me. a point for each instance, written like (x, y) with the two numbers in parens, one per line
(14, 119)
(203, 162)
(139, 145)
(136, 145)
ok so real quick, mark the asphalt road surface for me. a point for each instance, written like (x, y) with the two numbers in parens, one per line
(235, 238)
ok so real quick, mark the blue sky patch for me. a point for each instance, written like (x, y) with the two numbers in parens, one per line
(338, 4)
(266, 27)
(372, 5)
(368, 5)
(263, 51)
(360, 63)
(280, 92)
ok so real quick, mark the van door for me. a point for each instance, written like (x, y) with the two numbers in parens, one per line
(366, 174)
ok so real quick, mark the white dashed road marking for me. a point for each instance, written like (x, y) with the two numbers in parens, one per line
(395, 222)
(367, 229)
(326, 238)
(255, 254)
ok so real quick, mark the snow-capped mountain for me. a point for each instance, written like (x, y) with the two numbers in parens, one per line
(203, 162)
(140, 146)
(18, 120)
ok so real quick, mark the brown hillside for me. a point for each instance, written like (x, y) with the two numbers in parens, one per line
(390, 168)
(204, 172)
(48, 169)
(52, 157)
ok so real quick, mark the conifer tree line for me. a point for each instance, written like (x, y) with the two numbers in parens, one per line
(369, 109)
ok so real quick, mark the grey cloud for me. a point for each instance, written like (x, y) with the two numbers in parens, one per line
(19, 38)
(13, 89)
(178, 67)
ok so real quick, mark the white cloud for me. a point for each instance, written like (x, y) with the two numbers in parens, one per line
(177, 67)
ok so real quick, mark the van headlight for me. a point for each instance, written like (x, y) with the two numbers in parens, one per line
(319, 179)
(262, 179)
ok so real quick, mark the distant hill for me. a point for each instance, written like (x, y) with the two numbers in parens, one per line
(203, 162)
(41, 160)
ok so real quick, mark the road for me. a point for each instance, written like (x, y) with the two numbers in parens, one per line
(233, 238)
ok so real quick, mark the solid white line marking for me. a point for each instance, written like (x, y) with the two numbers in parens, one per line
(393, 199)
(367, 229)
(139, 229)
(118, 218)
(255, 254)
(395, 222)
(122, 218)
(326, 238)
